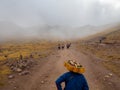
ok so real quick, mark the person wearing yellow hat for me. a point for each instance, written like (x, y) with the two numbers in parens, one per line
(74, 79)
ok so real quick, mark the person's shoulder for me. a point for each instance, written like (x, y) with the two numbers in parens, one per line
(81, 75)
(67, 73)
(72, 73)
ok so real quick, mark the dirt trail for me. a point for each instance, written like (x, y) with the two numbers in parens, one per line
(48, 70)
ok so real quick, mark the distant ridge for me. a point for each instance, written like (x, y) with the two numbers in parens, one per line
(106, 32)
(10, 30)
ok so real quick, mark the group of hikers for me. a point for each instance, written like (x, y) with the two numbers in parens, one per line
(63, 46)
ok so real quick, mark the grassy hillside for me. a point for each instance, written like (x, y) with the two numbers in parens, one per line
(107, 31)
(12, 52)
(113, 37)
(108, 49)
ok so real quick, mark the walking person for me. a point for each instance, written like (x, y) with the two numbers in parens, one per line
(63, 46)
(74, 79)
(68, 45)
(59, 47)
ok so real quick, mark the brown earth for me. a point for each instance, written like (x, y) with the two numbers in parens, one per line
(47, 70)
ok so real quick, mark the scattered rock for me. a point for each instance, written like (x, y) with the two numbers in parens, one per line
(107, 76)
(11, 76)
(15, 88)
(110, 74)
(24, 73)
(19, 70)
(21, 65)
(42, 82)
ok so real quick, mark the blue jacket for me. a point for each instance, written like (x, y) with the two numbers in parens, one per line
(73, 81)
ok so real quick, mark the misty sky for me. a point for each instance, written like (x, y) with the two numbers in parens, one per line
(64, 19)
(60, 12)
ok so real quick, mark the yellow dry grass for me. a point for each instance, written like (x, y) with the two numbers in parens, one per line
(109, 57)
(4, 70)
(13, 50)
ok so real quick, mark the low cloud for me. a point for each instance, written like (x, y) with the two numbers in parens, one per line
(41, 17)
